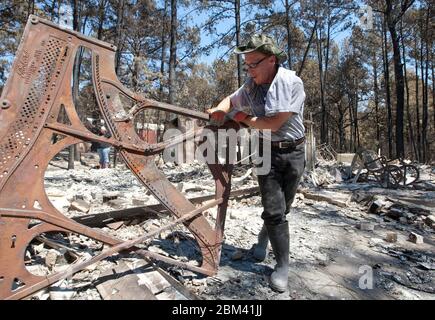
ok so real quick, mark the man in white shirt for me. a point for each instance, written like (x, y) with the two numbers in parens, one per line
(272, 98)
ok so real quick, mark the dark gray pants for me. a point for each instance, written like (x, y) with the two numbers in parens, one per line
(278, 187)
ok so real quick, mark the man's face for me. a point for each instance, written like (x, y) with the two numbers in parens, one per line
(260, 67)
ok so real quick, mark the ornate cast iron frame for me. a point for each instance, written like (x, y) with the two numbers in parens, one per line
(38, 86)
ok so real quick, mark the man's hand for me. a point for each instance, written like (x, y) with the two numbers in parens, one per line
(217, 115)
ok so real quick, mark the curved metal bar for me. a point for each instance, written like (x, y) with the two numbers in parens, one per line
(143, 103)
(38, 86)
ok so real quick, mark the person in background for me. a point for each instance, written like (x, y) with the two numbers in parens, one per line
(103, 148)
(95, 129)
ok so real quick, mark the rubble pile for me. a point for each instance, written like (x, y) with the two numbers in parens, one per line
(337, 227)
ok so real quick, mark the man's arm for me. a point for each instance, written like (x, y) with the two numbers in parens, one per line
(277, 120)
(272, 123)
(224, 105)
(218, 113)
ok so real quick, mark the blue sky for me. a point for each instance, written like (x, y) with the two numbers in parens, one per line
(198, 19)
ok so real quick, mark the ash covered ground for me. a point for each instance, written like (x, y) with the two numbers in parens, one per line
(347, 240)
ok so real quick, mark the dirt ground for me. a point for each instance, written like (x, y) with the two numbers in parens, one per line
(328, 257)
(333, 254)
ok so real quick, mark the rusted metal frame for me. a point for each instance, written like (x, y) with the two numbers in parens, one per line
(107, 253)
(175, 109)
(65, 224)
(148, 103)
(222, 176)
(150, 150)
(74, 227)
(32, 114)
(200, 227)
(88, 136)
(130, 243)
(101, 236)
(223, 190)
(45, 120)
(151, 104)
(25, 151)
(219, 175)
(69, 46)
(34, 20)
(159, 147)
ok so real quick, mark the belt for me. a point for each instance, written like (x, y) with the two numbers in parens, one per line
(287, 144)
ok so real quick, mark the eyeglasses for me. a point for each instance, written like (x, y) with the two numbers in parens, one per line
(255, 64)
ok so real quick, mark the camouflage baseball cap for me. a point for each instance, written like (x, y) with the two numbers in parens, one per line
(264, 44)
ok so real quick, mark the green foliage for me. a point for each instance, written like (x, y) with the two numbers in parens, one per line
(311, 31)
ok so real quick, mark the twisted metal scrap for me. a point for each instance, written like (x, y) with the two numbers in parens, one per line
(38, 88)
